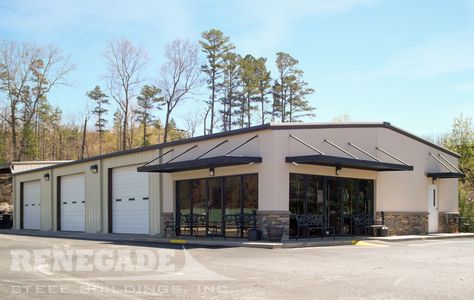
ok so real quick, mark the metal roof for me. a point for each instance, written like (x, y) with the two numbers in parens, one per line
(269, 126)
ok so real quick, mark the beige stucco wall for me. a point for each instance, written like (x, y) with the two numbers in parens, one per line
(397, 191)
(408, 191)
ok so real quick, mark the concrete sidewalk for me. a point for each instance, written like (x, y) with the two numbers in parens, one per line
(230, 242)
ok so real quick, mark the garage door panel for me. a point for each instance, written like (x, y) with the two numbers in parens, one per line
(31, 205)
(130, 205)
(73, 203)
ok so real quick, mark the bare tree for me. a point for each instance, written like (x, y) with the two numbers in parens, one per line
(193, 119)
(180, 75)
(27, 74)
(125, 66)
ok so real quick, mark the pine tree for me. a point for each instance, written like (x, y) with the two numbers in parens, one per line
(263, 86)
(147, 101)
(230, 88)
(215, 45)
(249, 89)
(290, 91)
(101, 100)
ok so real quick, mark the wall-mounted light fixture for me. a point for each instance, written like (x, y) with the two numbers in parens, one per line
(94, 168)
(46, 176)
(212, 171)
(338, 171)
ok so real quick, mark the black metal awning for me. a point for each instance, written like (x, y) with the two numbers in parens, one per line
(202, 163)
(440, 175)
(343, 162)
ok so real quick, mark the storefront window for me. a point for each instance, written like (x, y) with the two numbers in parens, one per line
(337, 200)
(216, 206)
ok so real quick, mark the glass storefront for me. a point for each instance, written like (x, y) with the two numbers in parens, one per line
(339, 202)
(218, 206)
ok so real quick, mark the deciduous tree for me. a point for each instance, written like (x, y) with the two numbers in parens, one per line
(180, 75)
(126, 63)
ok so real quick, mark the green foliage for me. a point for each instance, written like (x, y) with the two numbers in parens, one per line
(290, 91)
(101, 100)
(466, 208)
(147, 101)
(100, 110)
(230, 89)
(461, 140)
(215, 46)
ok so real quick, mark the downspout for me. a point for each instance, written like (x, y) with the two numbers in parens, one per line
(53, 203)
(101, 190)
(160, 194)
(14, 201)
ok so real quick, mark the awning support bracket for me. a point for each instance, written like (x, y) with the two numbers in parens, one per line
(307, 145)
(155, 159)
(182, 153)
(449, 163)
(216, 146)
(241, 145)
(340, 149)
(365, 152)
(442, 163)
(391, 155)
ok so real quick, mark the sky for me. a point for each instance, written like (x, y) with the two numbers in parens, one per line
(410, 63)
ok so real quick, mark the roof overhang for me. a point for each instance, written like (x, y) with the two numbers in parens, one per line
(203, 163)
(343, 162)
(441, 175)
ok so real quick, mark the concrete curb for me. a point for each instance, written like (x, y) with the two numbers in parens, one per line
(152, 240)
(423, 237)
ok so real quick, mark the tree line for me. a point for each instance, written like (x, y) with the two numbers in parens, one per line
(461, 141)
(242, 92)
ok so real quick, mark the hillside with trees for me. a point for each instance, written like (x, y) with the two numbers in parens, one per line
(232, 90)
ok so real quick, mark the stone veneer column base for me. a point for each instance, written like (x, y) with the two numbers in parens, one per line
(444, 227)
(167, 218)
(275, 218)
(405, 223)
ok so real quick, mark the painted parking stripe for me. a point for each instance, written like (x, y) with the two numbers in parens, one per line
(178, 241)
(362, 243)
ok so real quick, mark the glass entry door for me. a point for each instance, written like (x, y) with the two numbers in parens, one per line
(333, 194)
(341, 201)
(216, 206)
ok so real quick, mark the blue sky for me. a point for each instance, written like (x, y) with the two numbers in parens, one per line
(407, 62)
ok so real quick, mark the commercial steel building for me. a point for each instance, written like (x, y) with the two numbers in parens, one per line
(209, 185)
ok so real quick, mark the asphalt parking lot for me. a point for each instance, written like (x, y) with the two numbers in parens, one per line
(52, 268)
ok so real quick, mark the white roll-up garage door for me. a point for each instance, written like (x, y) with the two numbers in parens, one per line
(73, 203)
(31, 205)
(130, 204)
